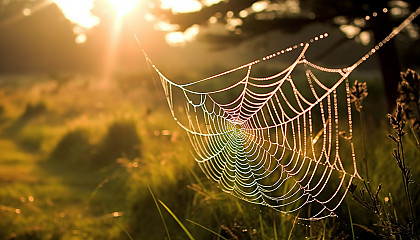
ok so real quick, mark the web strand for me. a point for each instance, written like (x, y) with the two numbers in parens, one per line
(275, 140)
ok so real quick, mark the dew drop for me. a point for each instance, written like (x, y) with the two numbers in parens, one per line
(26, 12)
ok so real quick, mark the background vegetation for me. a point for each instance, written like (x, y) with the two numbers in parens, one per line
(81, 160)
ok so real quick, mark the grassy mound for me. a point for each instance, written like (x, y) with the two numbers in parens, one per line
(121, 140)
(74, 148)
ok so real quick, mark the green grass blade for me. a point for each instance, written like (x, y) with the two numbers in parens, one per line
(215, 233)
(177, 220)
(414, 134)
(261, 226)
(351, 220)
(205, 190)
(293, 226)
(124, 230)
(160, 212)
(196, 178)
(275, 230)
(242, 212)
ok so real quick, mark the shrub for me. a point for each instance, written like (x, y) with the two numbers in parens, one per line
(33, 110)
(121, 140)
(2, 110)
(74, 148)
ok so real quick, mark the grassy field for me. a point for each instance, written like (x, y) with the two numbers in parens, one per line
(81, 159)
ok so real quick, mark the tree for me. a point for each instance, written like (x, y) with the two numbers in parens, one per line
(254, 18)
(36, 37)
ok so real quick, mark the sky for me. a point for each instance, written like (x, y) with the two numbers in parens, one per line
(60, 37)
(67, 35)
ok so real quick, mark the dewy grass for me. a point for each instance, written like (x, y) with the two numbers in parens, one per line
(124, 230)
(351, 220)
(177, 220)
(63, 195)
(209, 230)
(275, 229)
(160, 213)
(261, 226)
(293, 227)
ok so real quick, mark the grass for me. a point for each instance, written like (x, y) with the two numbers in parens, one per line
(76, 162)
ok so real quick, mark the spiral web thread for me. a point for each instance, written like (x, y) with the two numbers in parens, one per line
(283, 140)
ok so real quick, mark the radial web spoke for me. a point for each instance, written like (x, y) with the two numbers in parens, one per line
(283, 140)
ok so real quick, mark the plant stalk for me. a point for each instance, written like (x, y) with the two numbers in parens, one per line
(406, 182)
(364, 144)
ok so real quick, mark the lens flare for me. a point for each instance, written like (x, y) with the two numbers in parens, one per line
(123, 7)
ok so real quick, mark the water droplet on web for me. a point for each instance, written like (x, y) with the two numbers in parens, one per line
(26, 12)
(260, 103)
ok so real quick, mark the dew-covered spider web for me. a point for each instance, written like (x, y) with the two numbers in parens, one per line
(281, 139)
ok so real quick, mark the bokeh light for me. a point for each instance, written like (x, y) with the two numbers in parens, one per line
(79, 12)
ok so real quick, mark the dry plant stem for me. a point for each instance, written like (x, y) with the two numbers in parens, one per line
(364, 144)
(412, 129)
(415, 135)
(376, 206)
(373, 204)
(406, 182)
(398, 124)
(358, 93)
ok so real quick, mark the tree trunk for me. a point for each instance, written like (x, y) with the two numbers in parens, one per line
(388, 59)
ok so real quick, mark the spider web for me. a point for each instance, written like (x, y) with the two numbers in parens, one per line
(282, 140)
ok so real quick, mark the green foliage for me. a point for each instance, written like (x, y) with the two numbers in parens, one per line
(128, 82)
(31, 139)
(33, 110)
(91, 182)
(74, 148)
(121, 140)
(2, 110)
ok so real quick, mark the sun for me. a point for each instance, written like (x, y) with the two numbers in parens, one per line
(123, 7)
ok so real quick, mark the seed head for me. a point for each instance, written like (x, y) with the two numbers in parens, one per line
(397, 121)
(409, 97)
(409, 87)
(358, 93)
